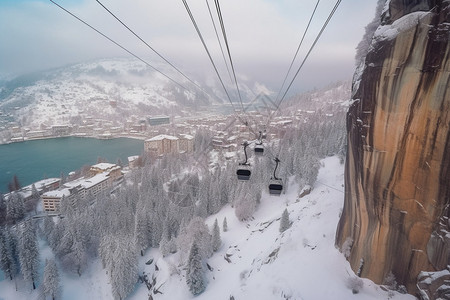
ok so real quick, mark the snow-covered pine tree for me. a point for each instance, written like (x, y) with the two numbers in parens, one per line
(57, 235)
(124, 271)
(225, 225)
(7, 261)
(34, 199)
(141, 235)
(71, 247)
(90, 231)
(224, 184)
(214, 204)
(195, 277)
(197, 232)
(51, 286)
(2, 209)
(156, 225)
(66, 207)
(48, 229)
(164, 245)
(106, 251)
(29, 253)
(77, 258)
(284, 222)
(15, 208)
(245, 205)
(201, 205)
(216, 241)
(363, 46)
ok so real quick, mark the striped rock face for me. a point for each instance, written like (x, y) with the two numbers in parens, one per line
(398, 159)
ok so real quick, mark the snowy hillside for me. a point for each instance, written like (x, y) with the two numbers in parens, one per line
(109, 89)
(329, 98)
(255, 261)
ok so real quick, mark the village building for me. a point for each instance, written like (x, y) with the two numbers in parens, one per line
(61, 130)
(114, 171)
(102, 177)
(36, 134)
(165, 144)
(158, 120)
(133, 161)
(186, 143)
(41, 186)
(161, 144)
(52, 200)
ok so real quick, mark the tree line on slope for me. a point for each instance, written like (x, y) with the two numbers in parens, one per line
(162, 205)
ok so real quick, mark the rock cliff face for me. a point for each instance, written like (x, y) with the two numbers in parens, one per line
(398, 159)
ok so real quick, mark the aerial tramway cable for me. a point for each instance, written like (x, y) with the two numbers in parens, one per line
(218, 39)
(119, 45)
(191, 16)
(310, 49)
(222, 25)
(150, 47)
(338, 2)
(298, 49)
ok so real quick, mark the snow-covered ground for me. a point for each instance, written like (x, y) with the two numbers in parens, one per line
(108, 89)
(255, 260)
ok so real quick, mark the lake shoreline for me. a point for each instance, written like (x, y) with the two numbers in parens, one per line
(141, 138)
(36, 159)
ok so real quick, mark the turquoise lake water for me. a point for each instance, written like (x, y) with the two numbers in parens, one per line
(32, 161)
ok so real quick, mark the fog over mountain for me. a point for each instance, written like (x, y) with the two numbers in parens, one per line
(263, 36)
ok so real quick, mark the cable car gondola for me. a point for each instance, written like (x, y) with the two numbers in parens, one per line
(244, 172)
(259, 148)
(276, 184)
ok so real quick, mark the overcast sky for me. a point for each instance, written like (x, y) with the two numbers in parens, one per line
(263, 36)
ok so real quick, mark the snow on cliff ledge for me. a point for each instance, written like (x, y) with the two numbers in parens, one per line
(389, 32)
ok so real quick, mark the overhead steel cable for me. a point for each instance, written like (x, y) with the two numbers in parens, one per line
(311, 48)
(119, 45)
(218, 39)
(191, 16)
(298, 49)
(307, 55)
(151, 48)
(222, 25)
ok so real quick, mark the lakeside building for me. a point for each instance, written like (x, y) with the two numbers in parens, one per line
(38, 134)
(52, 200)
(61, 130)
(158, 120)
(102, 177)
(113, 170)
(161, 144)
(41, 186)
(165, 144)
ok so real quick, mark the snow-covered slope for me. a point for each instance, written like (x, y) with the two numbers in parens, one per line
(108, 89)
(301, 263)
(255, 260)
(332, 97)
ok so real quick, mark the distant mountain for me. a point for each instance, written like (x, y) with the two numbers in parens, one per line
(325, 99)
(110, 89)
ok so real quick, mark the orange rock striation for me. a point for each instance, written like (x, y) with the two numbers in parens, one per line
(398, 159)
